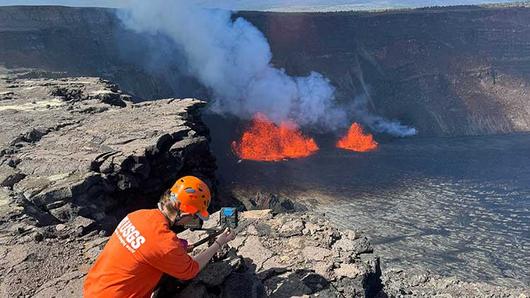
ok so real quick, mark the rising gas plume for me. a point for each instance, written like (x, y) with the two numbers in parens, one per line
(378, 123)
(233, 59)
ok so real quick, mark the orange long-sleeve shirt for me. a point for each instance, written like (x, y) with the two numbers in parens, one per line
(139, 251)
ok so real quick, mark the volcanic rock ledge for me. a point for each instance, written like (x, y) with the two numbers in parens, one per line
(286, 255)
(75, 155)
(78, 147)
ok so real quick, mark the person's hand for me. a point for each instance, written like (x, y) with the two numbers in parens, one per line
(185, 245)
(190, 248)
(227, 235)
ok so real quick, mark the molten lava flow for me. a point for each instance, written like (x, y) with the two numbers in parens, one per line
(357, 140)
(265, 141)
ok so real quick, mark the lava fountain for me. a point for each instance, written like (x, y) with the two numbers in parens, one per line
(357, 140)
(266, 141)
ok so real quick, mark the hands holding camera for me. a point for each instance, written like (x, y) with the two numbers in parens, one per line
(226, 236)
(204, 257)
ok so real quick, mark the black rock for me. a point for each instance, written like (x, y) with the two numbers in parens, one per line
(83, 225)
(38, 237)
(243, 285)
(275, 203)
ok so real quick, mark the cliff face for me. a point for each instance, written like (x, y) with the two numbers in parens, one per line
(88, 42)
(454, 71)
(447, 71)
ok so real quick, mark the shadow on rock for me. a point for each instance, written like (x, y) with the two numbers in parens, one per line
(222, 280)
(284, 255)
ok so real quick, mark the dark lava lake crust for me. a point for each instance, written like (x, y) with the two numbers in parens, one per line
(455, 206)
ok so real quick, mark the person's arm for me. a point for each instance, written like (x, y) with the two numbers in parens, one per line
(205, 256)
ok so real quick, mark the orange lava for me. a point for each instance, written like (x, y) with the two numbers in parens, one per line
(266, 141)
(357, 140)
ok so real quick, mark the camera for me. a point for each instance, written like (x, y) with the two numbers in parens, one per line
(228, 217)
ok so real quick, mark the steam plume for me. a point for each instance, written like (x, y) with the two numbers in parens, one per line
(378, 123)
(233, 59)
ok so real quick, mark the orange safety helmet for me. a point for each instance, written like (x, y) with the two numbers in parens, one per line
(193, 195)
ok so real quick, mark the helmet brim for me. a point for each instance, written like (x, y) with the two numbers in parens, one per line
(204, 215)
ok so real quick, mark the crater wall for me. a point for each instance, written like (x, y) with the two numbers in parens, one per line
(446, 71)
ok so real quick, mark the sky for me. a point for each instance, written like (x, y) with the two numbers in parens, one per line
(273, 5)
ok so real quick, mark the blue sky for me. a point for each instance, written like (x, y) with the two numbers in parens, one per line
(274, 5)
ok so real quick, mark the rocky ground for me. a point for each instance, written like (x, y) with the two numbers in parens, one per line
(288, 254)
(77, 146)
(302, 254)
(76, 154)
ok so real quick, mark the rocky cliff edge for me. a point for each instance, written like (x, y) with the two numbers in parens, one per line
(78, 147)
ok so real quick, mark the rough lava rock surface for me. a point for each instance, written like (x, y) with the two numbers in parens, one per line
(263, 262)
(77, 146)
(75, 155)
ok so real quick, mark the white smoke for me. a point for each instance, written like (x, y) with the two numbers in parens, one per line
(378, 123)
(233, 59)
(395, 128)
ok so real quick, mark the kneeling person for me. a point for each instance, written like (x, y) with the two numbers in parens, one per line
(143, 246)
